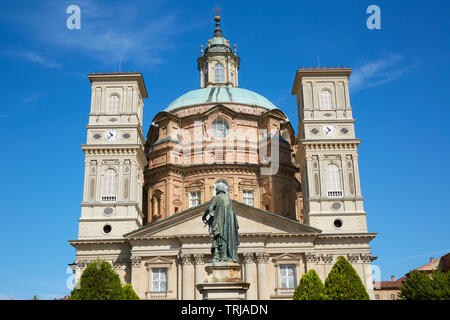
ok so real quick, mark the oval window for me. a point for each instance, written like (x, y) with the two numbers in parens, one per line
(220, 128)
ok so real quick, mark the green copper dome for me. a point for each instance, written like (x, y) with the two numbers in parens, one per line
(220, 95)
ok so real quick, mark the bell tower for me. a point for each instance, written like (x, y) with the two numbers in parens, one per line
(218, 65)
(114, 157)
(327, 151)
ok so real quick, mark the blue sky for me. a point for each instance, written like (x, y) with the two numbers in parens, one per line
(399, 94)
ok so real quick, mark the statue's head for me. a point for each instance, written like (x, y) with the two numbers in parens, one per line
(220, 188)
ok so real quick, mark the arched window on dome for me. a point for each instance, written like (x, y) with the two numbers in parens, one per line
(325, 100)
(220, 128)
(109, 188)
(219, 73)
(334, 185)
(114, 104)
(205, 76)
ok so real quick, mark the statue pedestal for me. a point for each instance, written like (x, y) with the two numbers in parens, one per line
(223, 282)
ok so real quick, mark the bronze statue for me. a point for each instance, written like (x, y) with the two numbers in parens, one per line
(223, 227)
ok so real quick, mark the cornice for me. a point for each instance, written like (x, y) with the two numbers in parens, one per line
(201, 167)
(121, 76)
(345, 198)
(265, 235)
(111, 146)
(368, 235)
(326, 144)
(97, 241)
(318, 72)
(328, 120)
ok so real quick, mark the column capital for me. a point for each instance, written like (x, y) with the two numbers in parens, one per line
(327, 258)
(119, 264)
(248, 257)
(136, 261)
(352, 257)
(199, 258)
(262, 257)
(186, 258)
(81, 264)
(366, 257)
(310, 257)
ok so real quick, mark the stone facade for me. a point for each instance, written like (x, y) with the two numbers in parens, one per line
(143, 198)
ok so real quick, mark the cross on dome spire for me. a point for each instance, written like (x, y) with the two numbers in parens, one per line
(217, 31)
(217, 9)
(218, 65)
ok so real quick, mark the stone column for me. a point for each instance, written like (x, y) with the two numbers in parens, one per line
(199, 262)
(149, 285)
(356, 177)
(187, 284)
(309, 261)
(366, 267)
(248, 264)
(135, 276)
(261, 259)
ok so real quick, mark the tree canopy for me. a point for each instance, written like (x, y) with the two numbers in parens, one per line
(420, 286)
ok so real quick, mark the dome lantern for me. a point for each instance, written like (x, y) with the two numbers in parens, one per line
(218, 65)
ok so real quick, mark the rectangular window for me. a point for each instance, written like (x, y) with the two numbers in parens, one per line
(377, 297)
(194, 199)
(247, 197)
(159, 280)
(287, 277)
(392, 296)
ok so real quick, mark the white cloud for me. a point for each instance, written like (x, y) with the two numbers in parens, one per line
(429, 254)
(33, 57)
(40, 60)
(32, 98)
(378, 72)
(109, 33)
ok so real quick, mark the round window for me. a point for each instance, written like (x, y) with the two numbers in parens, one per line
(107, 229)
(220, 128)
(338, 223)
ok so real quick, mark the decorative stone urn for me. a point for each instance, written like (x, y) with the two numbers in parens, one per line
(223, 282)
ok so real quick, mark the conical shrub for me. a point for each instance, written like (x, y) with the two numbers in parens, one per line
(99, 281)
(310, 287)
(129, 292)
(343, 283)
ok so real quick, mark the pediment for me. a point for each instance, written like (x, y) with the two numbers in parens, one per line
(252, 221)
(220, 108)
(158, 260)
(245, 183)
(195, 184)
(286, 257)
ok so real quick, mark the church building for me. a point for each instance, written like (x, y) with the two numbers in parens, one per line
(297, 197)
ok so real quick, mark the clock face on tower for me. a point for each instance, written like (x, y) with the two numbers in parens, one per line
(329, 130)
(111, 134)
